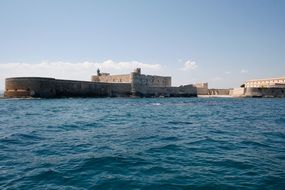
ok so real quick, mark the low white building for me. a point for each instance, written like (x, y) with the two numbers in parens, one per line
(264, 83)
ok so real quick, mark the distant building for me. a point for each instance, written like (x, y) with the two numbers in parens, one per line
(270, 88)
(265, 83)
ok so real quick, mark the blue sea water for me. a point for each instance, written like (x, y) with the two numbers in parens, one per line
(168, 143)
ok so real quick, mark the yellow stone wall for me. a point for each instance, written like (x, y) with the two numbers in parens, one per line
(112, 78)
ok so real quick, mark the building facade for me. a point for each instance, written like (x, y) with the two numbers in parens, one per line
(148, 80)
(265, 83)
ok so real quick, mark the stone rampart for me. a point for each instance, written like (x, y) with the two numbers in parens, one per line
(112, 78)
(102, 85)
(68, 88)
(214, 91)
(202, 88)
(148, 80)
(237, 92)
(30, 86)
(148, 84)
(152, 80)
(181, 91)
(265, 92)
(120, 90)
(51, 88)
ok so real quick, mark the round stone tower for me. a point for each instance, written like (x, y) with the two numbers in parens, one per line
(134, 81)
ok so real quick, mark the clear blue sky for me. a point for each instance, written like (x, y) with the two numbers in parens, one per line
(230, 41)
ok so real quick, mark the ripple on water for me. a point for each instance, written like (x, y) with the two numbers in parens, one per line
(177, 143)
(21, 139)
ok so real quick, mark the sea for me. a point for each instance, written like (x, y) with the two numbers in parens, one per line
(147, 143)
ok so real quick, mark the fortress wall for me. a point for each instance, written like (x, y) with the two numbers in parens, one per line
(155, 86)
(29, 86)
(95, 78)
(182, 91)
(265, 92)
(120, 89)
(118, 86)
(112, 78)
(186, 89)
(49, 88)
(214, 91)
(202, 88)
(237, 92)
(67, 88)
(92, 89)
(201, 85)
(202, 91)
(151, 80)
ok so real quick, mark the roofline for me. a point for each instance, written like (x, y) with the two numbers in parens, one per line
(277, 78)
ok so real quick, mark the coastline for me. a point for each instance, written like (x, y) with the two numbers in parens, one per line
(215, 96)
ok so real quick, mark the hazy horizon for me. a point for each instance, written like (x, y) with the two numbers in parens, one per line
(220, 42)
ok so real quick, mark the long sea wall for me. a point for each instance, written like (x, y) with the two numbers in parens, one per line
(180, 91)
(265, 92)
(215, 91)
(254, 92)
(237, 92)
(50, 88)
(24, 87)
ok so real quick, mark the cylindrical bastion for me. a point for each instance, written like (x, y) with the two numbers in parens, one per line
(20, 87)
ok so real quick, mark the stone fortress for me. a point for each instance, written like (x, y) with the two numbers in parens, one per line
(134, 84)
(147, 80)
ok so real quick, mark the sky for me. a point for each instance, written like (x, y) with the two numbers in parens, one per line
(222, 42)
